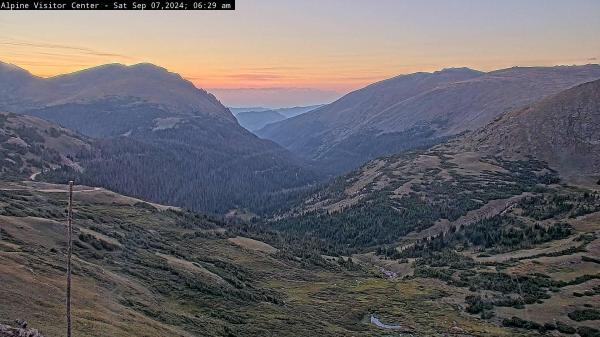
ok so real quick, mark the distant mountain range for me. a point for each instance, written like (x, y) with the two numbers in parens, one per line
(157, 136)
(557, 138)
(416, 110)
(254, 120)
(236, 111)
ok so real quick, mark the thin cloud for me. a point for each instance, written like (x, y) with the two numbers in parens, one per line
(47, 64)
(364, 78)
(51, 46)
(257, 77)
(51, 55)
(273, 68)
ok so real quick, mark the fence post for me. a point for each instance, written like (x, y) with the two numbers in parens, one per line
(69, 252)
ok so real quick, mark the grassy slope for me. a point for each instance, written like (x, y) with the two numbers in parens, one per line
(29, 145)
(140, 271)
(522, 194)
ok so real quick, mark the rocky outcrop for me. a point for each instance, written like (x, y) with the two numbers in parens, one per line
(21, 330)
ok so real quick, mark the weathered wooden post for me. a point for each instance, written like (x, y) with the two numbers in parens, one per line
(69, 251)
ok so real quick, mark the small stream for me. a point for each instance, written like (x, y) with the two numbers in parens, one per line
(377, 322)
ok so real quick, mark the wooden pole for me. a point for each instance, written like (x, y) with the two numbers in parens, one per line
(69, 252)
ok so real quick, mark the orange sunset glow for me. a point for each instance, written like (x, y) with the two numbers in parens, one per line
(330, 47)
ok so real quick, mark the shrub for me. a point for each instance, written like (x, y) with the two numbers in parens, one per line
(584, 315)
(475, 305)
(590, 259)
(565, 328)
(585, 331)
(516, 322)
(487, 314)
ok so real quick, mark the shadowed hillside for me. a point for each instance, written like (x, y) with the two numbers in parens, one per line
(158, 137)
(416, 110)
(30, 145)
(563, 130)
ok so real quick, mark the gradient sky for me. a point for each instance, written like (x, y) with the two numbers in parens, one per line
(294, 52)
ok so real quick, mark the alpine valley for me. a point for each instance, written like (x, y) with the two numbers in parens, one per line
(452, 203)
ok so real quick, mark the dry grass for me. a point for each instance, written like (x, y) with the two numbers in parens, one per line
(34, 290)
(367, 176)
(557, 307)
(252, 244)
(587, 223)
(112, 299)
(550, 247)
(194, 268)
(470, 163)
(563, 268)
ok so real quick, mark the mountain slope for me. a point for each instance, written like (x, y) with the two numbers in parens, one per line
(488, 211)
(112, 99)
(254, 120)
(29, 145)
(159, 137)
(562, 130)
(296, 111)
(554, 138)
(150, 270)
(416, 110)
(212, 169)
(13, 87)
(236, 111)
(145, 82)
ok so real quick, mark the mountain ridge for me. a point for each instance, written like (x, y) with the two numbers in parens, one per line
(143, 81)
(416, 110)
(256, 119)
(554, 139)
(157, 136)
(563, 130)
(493, 211)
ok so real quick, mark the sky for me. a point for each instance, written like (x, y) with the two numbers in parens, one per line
(302, 52)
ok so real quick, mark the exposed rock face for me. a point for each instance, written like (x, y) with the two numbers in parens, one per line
(20, 331)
